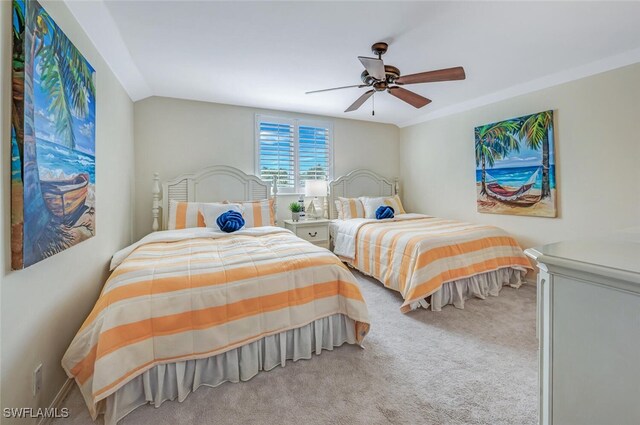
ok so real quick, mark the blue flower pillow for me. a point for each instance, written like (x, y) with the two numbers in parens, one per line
(212, 212)
(230, 221)
(384, 211)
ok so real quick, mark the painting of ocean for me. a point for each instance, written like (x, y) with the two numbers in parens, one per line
(515, 166)
(52, 139)
(58, 162)
(518, 176)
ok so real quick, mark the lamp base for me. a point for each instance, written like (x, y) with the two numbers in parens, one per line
(311, 211)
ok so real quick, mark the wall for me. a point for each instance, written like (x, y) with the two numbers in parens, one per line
(44, 305)
(597, 153)
(178, 136)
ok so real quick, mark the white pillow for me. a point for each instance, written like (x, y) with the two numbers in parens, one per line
(350, 208)
(372, 204)
(212, 211)
(339, 209)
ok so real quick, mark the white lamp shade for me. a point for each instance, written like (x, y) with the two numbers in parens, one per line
(315, 188)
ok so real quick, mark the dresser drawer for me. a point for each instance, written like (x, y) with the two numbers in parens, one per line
(313, 233)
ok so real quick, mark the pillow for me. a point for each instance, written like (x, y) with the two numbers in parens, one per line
(230, 221)
(350, 208)
(212, 211)
(383, 212)
(339, 209)
(258, 213)
(395, 203)
(372, 204)
(183, 215)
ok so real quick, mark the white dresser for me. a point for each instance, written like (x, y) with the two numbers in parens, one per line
(589, 331)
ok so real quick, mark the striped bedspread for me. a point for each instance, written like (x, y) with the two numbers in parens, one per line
(187, 294)
(415, 254)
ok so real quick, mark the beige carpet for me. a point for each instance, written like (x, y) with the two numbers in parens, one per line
(471, 366)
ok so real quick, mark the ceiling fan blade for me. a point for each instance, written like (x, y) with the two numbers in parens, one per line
(448, 74)
(336, 88)
(358, 103)
(375, 67)
(410, 97)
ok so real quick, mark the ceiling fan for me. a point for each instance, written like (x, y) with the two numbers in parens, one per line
(381, 77)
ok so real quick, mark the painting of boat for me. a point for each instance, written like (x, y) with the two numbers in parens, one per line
(515, 166)
(65, 198)
(52, 139)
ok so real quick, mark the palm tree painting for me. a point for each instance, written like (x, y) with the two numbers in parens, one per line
(52, 139)
(515, 166)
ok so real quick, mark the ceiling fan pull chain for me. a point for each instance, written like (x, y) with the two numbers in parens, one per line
(373, 105)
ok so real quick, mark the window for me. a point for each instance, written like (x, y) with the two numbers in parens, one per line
(292, 151)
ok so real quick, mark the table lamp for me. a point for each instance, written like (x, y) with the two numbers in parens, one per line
(315, 188)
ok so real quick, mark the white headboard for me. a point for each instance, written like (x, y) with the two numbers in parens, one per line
(359, 183)
(212, 184)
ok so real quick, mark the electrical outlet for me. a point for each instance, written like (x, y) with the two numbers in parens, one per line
(37, 379)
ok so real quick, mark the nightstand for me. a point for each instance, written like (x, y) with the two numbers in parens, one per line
(314, 231)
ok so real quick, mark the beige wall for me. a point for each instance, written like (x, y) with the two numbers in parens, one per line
(44, 305)
(178, 136)
(597, 159)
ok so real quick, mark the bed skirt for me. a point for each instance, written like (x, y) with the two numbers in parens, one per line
(177, 380)
(478, 286)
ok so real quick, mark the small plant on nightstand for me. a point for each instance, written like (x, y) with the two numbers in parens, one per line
(295, 211)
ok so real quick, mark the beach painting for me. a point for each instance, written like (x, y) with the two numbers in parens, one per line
(52, 139)
(515, 166)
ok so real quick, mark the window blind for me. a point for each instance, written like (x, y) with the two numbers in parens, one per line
(313, 154)
(277, 153)
(293, 151)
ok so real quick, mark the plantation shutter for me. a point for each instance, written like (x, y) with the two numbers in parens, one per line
(293, 151)
(276, 155)
(314, 153)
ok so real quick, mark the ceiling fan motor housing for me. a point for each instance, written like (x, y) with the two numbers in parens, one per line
(391, 72)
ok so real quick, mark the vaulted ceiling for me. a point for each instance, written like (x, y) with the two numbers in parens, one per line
(268, 54)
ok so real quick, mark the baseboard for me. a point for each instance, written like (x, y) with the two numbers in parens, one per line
(58, 399)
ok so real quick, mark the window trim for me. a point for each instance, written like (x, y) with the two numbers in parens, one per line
(296, 123)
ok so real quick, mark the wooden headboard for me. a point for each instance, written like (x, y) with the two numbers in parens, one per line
(357, 183)
(212, 184)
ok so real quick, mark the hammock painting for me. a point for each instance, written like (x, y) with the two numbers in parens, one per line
(515, 166)
(517, 196)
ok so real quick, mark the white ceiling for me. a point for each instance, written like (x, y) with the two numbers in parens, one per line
(267, 54)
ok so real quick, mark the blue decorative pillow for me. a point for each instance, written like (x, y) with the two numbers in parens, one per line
(384, 211)
(230, 221)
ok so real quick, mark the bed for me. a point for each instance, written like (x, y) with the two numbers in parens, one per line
(196, 306)
(431, 261)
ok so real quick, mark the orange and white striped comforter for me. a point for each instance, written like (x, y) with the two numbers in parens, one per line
(415, 254)
(188, 294)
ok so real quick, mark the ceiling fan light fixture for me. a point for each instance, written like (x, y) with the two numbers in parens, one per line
(380, 85)
(392, 72)
(366, 78)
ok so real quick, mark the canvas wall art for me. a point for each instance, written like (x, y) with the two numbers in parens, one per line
(515, 166)
(52, 139)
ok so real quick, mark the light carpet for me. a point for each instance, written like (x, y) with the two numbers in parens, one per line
(471, 366)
